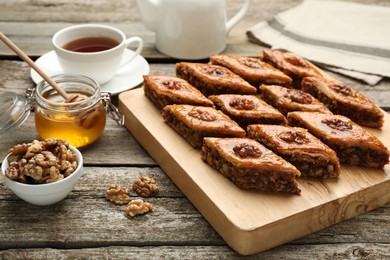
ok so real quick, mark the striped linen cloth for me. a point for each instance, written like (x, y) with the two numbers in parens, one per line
(348, 38)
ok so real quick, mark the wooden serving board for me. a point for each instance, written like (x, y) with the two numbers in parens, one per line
(252, 221)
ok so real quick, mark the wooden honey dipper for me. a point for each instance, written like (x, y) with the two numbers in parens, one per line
(88, 121)
(68, 98)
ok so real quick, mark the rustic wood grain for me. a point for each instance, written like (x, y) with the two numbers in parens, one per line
(294, 252)
(85, 219)
(85, 225)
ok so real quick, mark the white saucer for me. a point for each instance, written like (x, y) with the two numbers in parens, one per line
(130, 78)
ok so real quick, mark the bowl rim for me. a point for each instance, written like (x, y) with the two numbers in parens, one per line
(56, 183)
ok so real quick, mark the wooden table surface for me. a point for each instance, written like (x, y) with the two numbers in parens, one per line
(85, 225)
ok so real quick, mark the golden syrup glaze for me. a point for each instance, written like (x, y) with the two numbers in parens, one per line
(291, 64)
(175, 87)
(279, 137)
(202, 118)
(215, 74)
(267, 161)
(282, 98)
(315, 122)
(260, 108)
(343, 93)
(253, 68)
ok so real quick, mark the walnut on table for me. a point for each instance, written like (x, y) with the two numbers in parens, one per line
(117, 194)
(145, 186)
(138, 207)
(44, 161)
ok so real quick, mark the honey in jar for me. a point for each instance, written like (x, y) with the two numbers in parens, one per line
(80, 123)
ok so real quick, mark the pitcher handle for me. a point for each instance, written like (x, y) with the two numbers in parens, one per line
(239, 15)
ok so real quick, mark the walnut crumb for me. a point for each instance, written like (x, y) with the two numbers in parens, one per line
(145, 186)
(138, 207)
(117, 194)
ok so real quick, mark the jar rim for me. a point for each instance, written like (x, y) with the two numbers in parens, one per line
(86, 103)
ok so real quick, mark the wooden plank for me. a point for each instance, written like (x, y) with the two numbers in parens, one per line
(252, 221)
(94, 221)
(86, 219)
(294, 252)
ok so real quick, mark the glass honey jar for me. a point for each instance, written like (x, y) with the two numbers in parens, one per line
(80, 123)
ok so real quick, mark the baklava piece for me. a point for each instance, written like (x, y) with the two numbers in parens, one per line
(247, 109)
(296, 145)
(250, 165)
(166, 90)
(213, 79)
(253, 70)
(345, 100)
(288, 100)
(293, 65)
(352, 143)
(194, 123)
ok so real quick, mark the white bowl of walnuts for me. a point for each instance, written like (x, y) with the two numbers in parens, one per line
(42, 172)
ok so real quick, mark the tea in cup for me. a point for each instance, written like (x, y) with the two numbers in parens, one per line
(94, 50)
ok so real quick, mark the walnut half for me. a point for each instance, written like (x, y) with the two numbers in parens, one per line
(202, 114)
(117, 194)
(337, 124)
(294, 137)
(145, 186)
(242, 104)
(247, 151)
(138, 207)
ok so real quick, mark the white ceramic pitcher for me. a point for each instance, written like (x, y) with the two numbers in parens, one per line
(189, 29)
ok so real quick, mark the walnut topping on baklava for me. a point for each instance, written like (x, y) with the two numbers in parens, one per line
(292, 64)
(214, 71)
(288, 100)
(294, 137)
(337, 123)
(343, 89)
(172, 84)
(250, 62)
(247, 109)
(298, 96)
(295, 60)
(202, 114)
(242, 103)
(245, 150)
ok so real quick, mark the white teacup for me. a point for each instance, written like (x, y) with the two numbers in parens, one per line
(94, 50)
